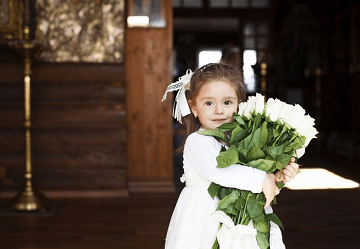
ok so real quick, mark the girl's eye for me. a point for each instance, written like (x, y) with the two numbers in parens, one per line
(208, 103)
(228, 102)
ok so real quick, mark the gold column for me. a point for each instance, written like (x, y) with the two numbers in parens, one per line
(28, 199)
(263, 72)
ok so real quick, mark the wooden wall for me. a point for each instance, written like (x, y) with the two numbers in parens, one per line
(148, 73)
(79, 134)
(96, 126)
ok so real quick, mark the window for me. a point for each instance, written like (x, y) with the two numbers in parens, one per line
(232, 4)
(256, 35)
(249, 59)
(209, 56)
(145, 14)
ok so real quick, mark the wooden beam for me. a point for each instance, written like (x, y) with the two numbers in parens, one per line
(148, 72)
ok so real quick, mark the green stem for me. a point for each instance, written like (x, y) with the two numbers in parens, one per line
(276, 140)
(244, 210)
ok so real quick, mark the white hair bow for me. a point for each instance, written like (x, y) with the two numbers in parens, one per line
(181, 106)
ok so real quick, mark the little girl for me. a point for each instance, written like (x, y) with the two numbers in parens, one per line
(214, 93)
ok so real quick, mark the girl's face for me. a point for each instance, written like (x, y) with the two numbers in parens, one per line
(215, 104)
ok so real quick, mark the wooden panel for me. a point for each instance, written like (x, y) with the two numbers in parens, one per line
(66, 178)
(150, 122)
(148, 73)
(66, 137)
(63, 72)
(69, 72)
(66, 114)
(79, 119)
(100, 156)
(64, 91)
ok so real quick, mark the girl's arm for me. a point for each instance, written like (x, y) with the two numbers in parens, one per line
(201, 151)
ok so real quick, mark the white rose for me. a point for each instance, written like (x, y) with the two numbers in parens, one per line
(285, 110)
(311, 133)
(293, 117)
(300, 152)
(242, 107)
(250, 106)
(273, 108)
(259, 103)
(304, 124)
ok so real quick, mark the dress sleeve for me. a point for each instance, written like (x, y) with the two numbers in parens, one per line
(201, 151)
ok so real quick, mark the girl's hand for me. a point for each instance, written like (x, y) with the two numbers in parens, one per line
(269, 189)
(288, 172)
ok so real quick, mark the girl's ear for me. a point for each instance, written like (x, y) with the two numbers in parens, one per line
(192, 107)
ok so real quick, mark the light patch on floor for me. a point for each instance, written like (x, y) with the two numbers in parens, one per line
(318, 178)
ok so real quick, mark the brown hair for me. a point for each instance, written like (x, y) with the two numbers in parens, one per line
(206, 74)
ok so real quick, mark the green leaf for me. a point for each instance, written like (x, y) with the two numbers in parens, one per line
(274, 218)
(229, 199)
(255, 138)
(215, 133)
(240, 203)
(299, 142)
(263, 135)
(242, 156)
(262, 164)
(260, 197)
(274, 201)
(284, 159)
(261, 217)
(279, 165)
(277, 150)
(246, 141)
(262, 241)
(213, 189)
(216, 245)
(275, 132)
(231, 209)
(239, 119)
(223, 192)
(227, 126)
(255, 153)
(254, 208)
(257, 120)
(227, 158)
(262, 226)
(238, 134)
(280, 185)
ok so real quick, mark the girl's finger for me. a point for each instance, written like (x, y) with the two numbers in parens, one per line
(277, 191)
(287, 178)
(293, 166)
(287, 172)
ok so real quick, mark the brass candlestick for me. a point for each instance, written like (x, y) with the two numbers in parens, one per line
(28, 199)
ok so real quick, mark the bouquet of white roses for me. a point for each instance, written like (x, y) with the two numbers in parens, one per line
(263, 136)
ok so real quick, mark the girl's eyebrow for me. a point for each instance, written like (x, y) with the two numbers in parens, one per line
(228, 97)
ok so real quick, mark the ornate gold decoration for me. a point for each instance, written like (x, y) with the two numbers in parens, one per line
(28, 199)
(10, 20)
(81, 31)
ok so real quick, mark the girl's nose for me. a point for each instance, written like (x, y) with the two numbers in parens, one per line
(219, 109)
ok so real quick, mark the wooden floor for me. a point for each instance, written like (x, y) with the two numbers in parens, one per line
(313, 219)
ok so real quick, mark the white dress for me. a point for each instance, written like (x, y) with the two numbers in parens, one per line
(192, 225)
